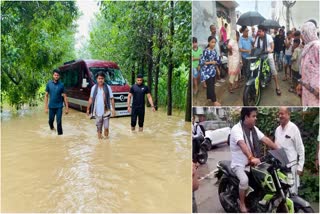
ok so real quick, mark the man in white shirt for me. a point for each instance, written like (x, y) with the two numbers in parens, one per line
(288, 137)
(265, 42)
(101, 104)
(245, 149)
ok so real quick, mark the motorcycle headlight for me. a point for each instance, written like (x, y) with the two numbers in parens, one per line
(290, 180)
(254, 65)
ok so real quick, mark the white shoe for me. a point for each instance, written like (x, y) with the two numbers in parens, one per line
(217, 84)
(221, 80)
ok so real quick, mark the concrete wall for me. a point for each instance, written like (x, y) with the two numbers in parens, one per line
(300, 12)
(203, 15)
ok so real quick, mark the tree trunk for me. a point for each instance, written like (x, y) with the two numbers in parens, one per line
(188, 102)
(170, 67)
(141, 70)
(133, 75)
(149, 58)
(156, 78)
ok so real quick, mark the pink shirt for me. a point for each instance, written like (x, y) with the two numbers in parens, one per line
(223, 33)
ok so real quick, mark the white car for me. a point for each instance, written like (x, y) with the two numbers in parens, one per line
(217, 131)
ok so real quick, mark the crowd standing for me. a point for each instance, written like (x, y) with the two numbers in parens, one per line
(294, 52)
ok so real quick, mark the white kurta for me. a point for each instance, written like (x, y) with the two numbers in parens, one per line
(290, 140)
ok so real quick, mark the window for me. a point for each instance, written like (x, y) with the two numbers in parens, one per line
(70, 77)
(113, 76)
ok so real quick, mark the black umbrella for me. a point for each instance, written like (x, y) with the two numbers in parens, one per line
(268, 23)
(250, 18)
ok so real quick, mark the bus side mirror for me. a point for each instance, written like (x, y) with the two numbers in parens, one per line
(84, 83)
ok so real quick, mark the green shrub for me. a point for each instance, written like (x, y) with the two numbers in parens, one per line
(309, 189)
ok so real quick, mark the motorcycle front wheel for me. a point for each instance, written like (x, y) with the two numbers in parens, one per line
(304, 210)
(250, 97)
(228, 196)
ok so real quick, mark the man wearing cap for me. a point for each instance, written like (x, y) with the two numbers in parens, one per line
(137, 109)
(55, 91)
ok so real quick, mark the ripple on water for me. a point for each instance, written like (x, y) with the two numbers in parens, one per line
(128, 172)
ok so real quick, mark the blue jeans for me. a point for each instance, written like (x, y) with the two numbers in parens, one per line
(52, 113)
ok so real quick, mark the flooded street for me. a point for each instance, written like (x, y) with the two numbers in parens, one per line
(129, 172)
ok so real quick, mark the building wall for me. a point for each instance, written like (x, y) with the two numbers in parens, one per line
(203, 15)
(300, 13)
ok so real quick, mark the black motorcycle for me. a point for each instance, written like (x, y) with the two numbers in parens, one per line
(200, 148)
(224, 59)
(269, 186)
(258, 75)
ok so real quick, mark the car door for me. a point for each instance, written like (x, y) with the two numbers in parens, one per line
(225, 131)
(214, 134)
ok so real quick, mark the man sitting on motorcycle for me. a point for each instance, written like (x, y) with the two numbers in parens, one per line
(265, 42)
(245, 149)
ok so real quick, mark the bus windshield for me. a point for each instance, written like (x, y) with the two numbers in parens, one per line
(113, 76)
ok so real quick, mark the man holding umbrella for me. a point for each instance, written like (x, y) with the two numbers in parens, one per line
(265, 42)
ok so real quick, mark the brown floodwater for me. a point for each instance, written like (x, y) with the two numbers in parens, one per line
(129, 172)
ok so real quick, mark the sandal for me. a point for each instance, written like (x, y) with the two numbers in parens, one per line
(238, 86)
(291, 90)
(195, 92)
(216, 103)
(278, 91)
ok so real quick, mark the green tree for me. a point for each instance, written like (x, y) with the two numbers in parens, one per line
(36, 37)
(137, 35)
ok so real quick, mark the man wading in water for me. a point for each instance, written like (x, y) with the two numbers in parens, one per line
(138, 91)
(99, 104)
(55, 90)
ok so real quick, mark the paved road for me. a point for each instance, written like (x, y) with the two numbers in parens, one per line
(268, 97)
(207, 195)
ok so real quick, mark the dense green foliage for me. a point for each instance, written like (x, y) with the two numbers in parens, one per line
(137, 36)
(308, 124)
(152, 38)
(36, 37)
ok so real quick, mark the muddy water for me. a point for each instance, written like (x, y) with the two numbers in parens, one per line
(129, 172)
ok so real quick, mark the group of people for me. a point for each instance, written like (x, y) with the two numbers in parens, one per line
(301, 59)
(101, 105)
(206, 64)
(245, 148)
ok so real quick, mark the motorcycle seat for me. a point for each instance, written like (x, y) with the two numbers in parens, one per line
(226, 164)
(264, 57)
